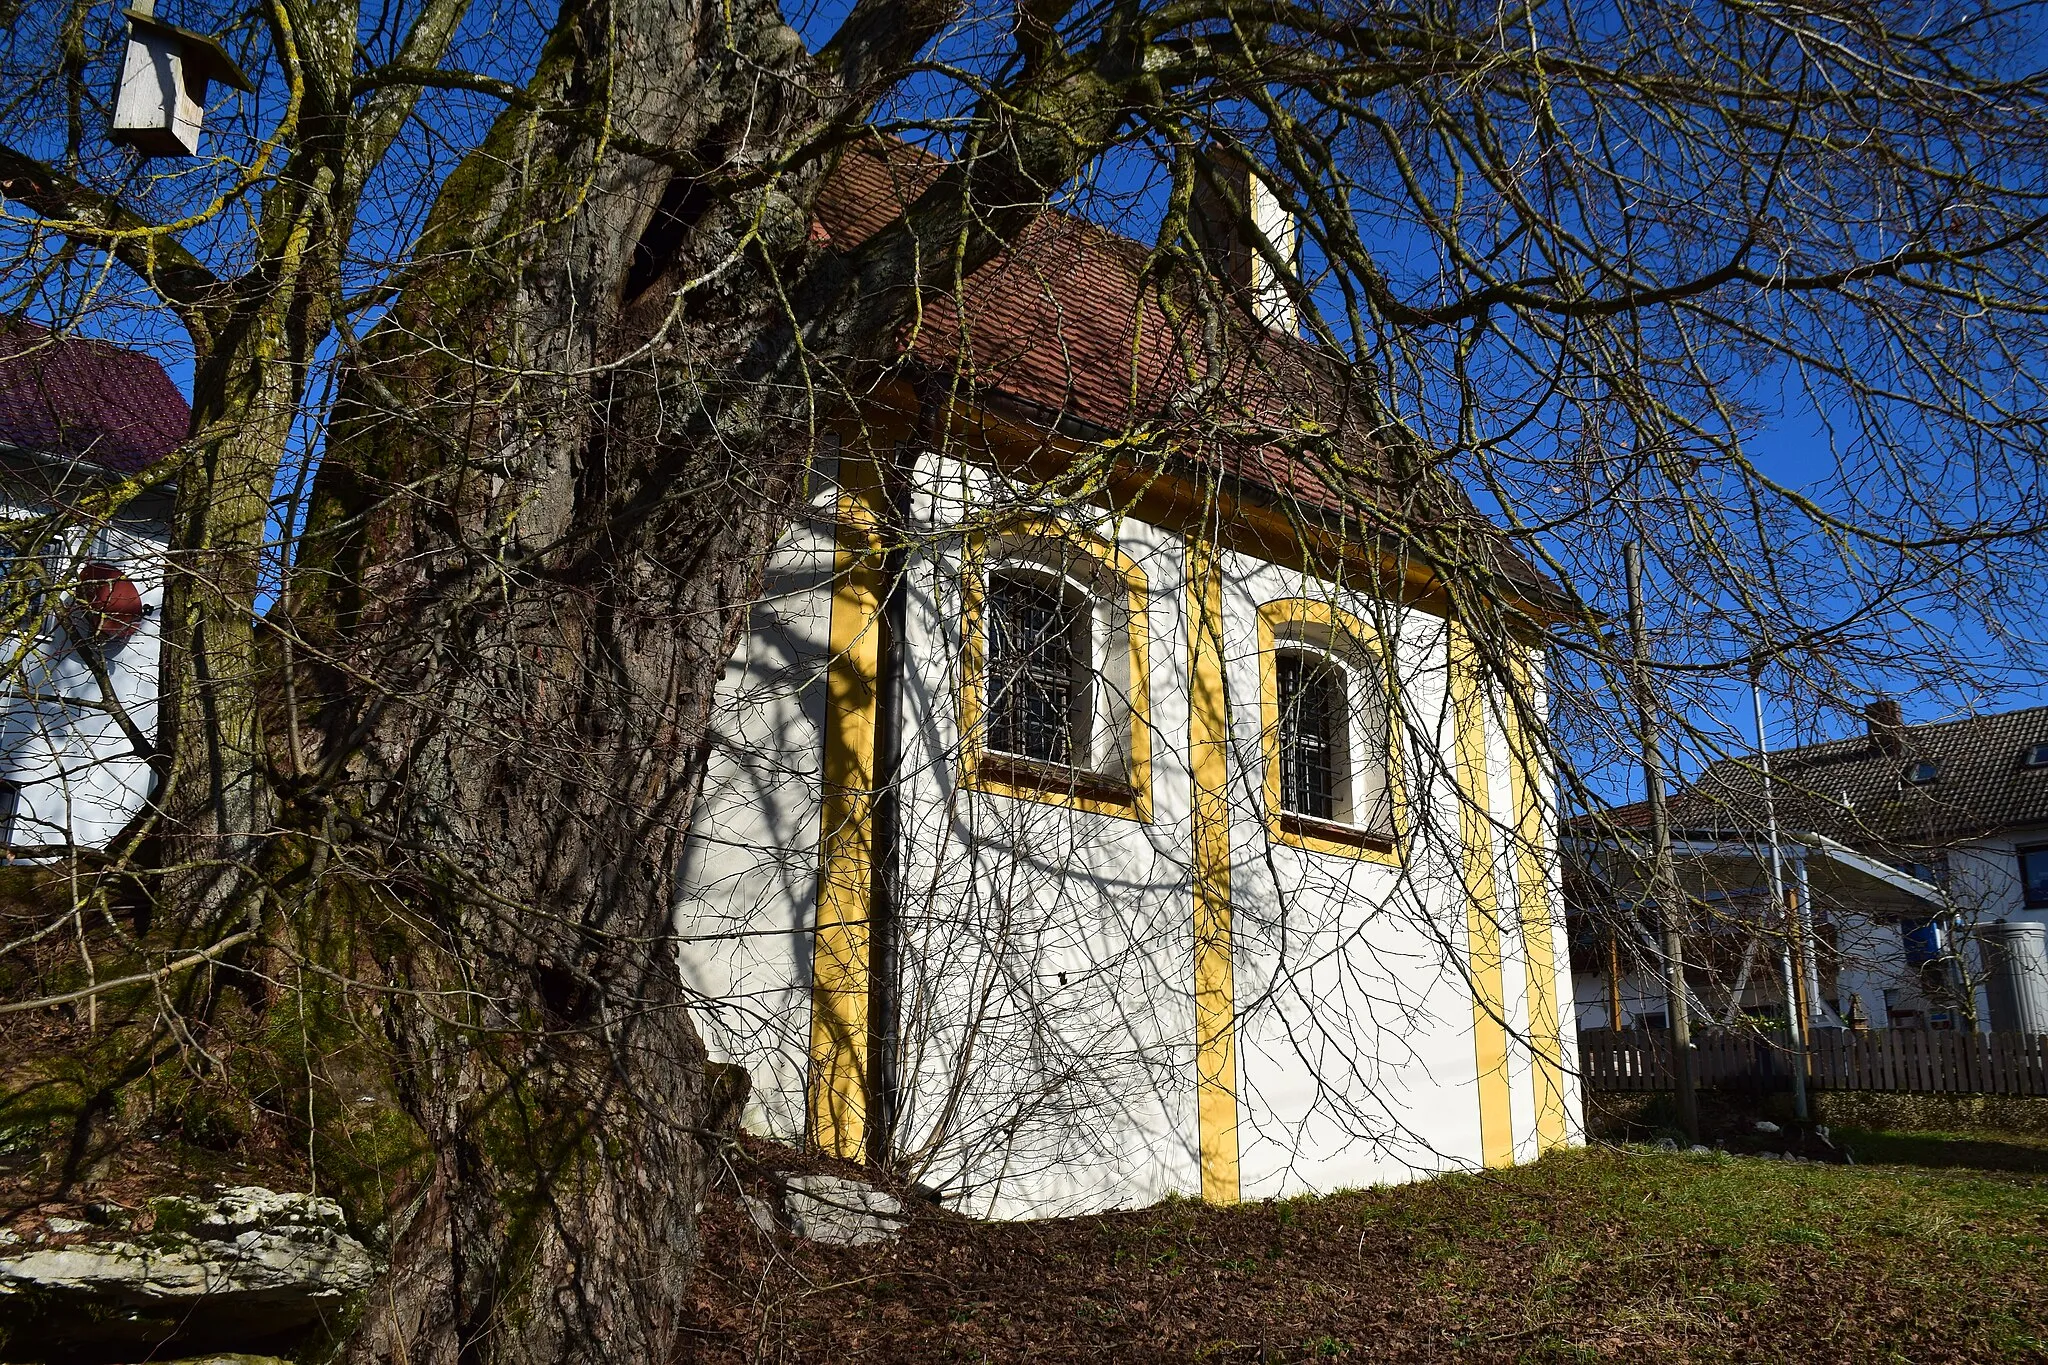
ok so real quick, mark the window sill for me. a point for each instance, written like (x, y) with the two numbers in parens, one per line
(1309, 831)
(1015, 775)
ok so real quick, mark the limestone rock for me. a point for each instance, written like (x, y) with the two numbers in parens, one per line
(246, 1208)
(247, 1267)
(840, 1212)
(761, 1213)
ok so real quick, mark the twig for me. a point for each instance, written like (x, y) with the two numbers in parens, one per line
(204, 955)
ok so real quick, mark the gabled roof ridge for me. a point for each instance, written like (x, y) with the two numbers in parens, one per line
(1862, 791)
(1861, 741)
(1057, 323)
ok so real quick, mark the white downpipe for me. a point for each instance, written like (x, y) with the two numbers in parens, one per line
(1817, 1008)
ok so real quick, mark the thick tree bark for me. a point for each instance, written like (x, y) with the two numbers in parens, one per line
(547, 503)
(524, 567)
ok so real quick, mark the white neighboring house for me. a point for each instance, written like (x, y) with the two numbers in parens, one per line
(1070, 853)
(1907, 840)
(80, 681)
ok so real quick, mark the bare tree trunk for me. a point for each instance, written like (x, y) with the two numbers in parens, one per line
(524, 567)
(216, 788)
(549, 483)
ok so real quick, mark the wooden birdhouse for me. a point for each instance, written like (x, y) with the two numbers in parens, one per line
(164, 75)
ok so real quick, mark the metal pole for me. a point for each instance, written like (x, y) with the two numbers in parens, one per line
(1778, 911)
(1663, 872)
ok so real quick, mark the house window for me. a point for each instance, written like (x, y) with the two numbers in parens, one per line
(1040, 642)
(1054, 695)
(2034, 875)
(1332, 742)
(1331, 779)
(1921, 772)
(2034, 756)
(1315, 759)
(1922, 939)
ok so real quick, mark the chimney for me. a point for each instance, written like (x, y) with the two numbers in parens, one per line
(1228, 201)
(1886, 723)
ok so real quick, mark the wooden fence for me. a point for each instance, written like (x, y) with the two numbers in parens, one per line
(1837, 1059)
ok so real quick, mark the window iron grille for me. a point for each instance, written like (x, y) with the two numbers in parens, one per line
(1311, 697)
(1035, 669)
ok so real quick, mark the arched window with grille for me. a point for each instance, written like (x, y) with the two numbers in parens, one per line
(1040, 666)
(1332, 781)
(1315, 758)
(1054, 698)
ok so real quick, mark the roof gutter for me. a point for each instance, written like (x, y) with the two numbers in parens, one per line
(1544, 604)
(56, 473)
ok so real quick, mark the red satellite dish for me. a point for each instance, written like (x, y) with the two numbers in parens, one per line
(107, 607)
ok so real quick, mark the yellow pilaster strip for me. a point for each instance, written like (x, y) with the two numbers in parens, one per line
(1482, 900)
(1208, 750)
(1532, 908)
(837, 1089)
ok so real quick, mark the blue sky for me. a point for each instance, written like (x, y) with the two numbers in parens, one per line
(1790, 443)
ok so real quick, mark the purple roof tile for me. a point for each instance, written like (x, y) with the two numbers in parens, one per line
(92, 400)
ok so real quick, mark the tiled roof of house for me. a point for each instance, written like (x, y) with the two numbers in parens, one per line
(86, 400)
(1065, 325)
(1862, 791)
(1060, 321)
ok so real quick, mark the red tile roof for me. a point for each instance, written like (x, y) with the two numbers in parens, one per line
(86, 400)
(1064, 324)
(1063, 320)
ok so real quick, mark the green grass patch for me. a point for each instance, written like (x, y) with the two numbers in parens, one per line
(1606, 1254)
(1985, 1150)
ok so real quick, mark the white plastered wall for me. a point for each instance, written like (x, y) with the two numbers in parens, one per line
(1355, 1056)
(1501, 777)
(1047, 1055)
(749, 895)
(1984, 881)
(1548, 919)
(77, 776)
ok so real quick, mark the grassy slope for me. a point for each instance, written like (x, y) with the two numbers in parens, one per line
(1597, 1255)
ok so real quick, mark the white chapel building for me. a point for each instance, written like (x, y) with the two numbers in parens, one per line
(1098, 810)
